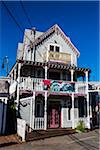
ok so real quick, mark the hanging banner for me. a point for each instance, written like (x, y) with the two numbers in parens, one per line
(58, 86)
(46, 84)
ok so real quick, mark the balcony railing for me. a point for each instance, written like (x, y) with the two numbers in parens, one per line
(80, 87)
(26, 83)
(57, 57)
(38, 84)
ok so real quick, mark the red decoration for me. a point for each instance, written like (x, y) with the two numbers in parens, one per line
(47, 82)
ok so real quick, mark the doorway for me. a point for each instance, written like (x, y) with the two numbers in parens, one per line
(54, 115)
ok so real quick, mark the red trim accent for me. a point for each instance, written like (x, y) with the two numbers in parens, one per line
(47, 82)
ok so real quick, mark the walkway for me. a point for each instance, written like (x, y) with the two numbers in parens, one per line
(84, 141)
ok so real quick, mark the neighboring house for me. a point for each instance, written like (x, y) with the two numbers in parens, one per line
(94, 95)
(49, 88)
(4, 97)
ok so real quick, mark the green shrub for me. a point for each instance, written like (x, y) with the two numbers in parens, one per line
(81, 126)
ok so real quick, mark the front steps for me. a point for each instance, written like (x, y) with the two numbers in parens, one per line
(41, 134)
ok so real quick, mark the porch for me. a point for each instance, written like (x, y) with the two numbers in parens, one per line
(43, 111)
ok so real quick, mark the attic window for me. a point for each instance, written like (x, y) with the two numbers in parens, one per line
(51, 48)
(57, 48)
(54, 48)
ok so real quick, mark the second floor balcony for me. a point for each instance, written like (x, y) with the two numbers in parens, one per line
(37, 84)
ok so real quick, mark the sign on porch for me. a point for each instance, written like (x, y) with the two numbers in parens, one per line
(58, 86)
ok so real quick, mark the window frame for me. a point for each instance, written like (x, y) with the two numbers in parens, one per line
(53, 48)
(39, 112)
(55, 45)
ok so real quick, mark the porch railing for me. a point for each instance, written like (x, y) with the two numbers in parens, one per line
(80, 87)
(38, 123)
(38, 84)
(27, 83)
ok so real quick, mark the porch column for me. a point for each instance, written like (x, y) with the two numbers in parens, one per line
(88, 116)
(47, 55)
(33, 124)
(31, 114)
(72, 75)
(46, 69)
(14, 73)
(86, 75)
(72, 112)
(18, 86)
(45, 112)
(90, 105)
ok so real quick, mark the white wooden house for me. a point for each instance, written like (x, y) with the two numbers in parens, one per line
(45, 81)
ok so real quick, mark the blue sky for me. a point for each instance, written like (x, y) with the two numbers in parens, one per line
(78, 19)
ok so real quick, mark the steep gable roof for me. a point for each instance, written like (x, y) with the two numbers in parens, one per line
(57, 29)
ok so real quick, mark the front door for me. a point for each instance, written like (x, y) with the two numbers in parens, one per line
(54, 116)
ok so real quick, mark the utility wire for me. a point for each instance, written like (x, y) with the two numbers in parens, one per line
(12, 16)
(18, 24)
(26, 14)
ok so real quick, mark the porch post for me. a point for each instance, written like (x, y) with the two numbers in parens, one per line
(18, 86)
(31, 114)
(14, 73)
(72, 112)
(47, 56)
(90, 103)
(72, 75)
(88, 116)
(33, 124)
(86, 74)
(46, 69)
(45, 112)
